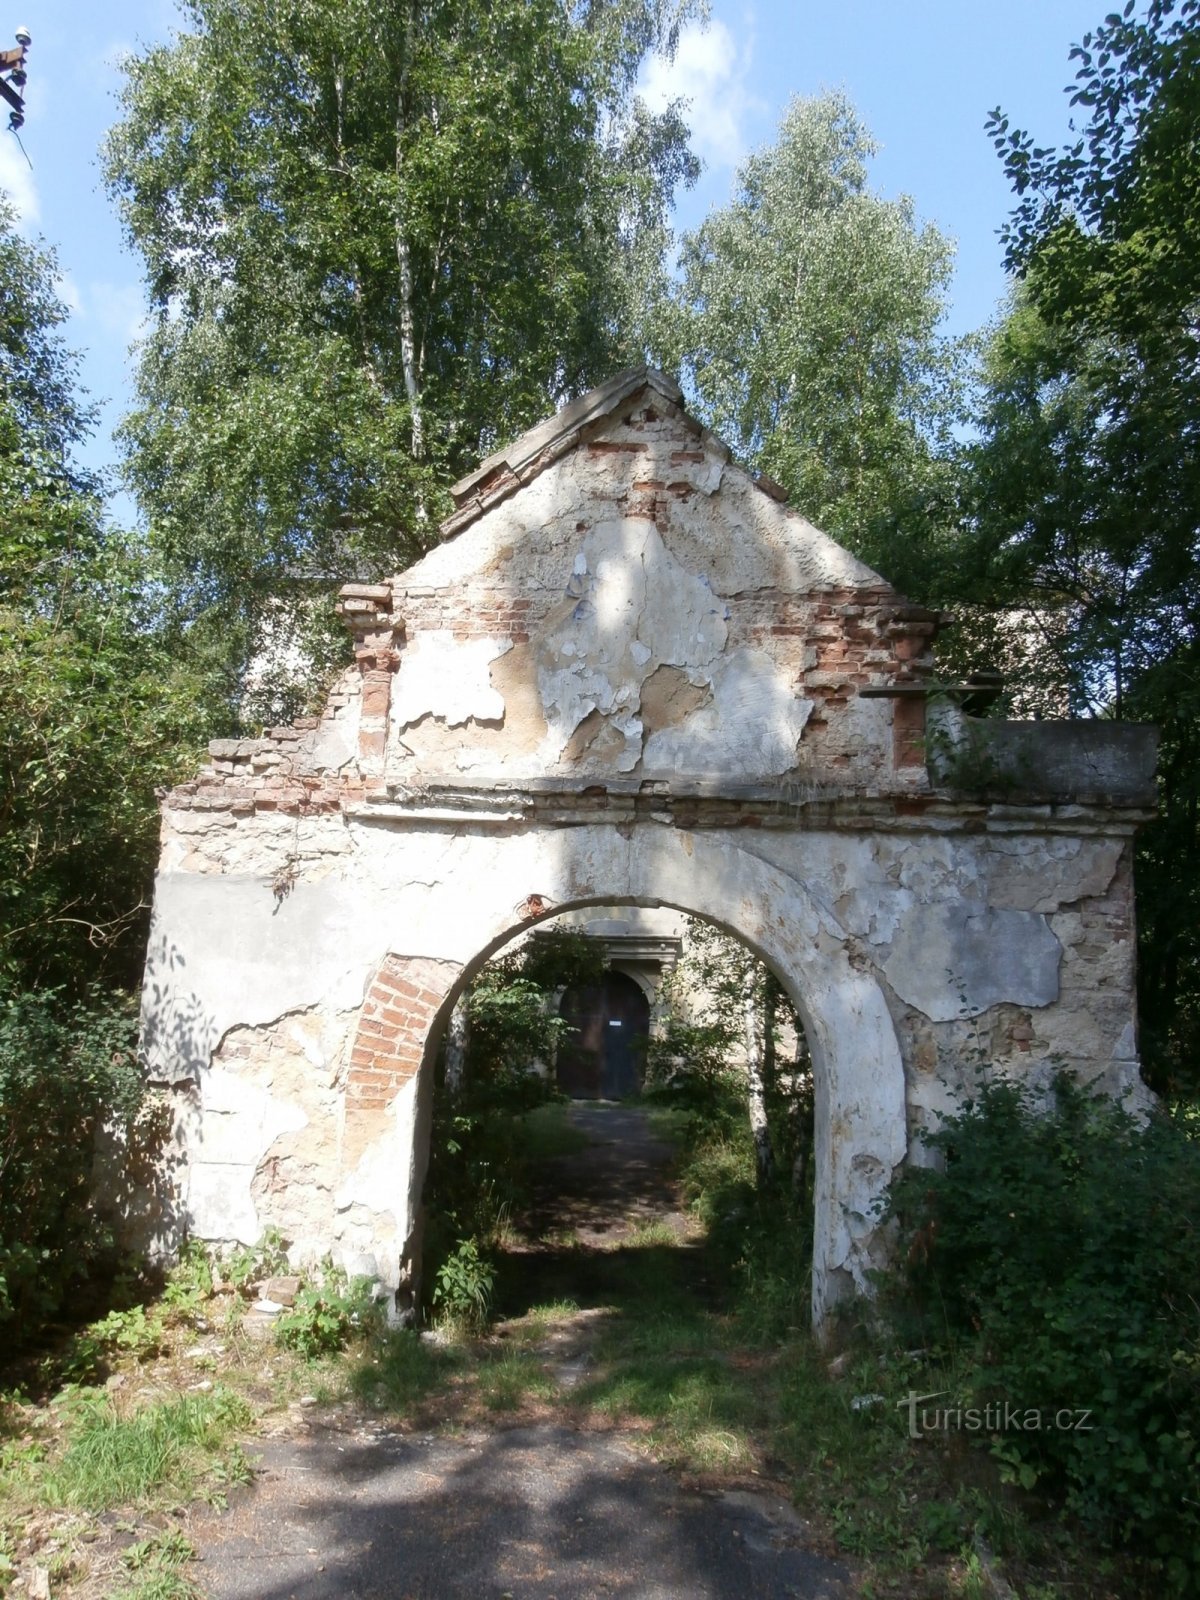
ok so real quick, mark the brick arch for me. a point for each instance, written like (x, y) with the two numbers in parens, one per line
(395, 1023)
(769, 907)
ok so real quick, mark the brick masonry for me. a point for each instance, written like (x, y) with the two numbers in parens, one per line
(394, 1029)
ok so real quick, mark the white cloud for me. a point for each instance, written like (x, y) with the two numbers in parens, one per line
(68, 293)
(16, 182)
(119, 309)
(710, 72)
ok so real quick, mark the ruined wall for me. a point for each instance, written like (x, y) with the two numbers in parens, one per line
(630, 675)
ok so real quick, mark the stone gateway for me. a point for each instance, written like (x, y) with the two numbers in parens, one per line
(629, 675)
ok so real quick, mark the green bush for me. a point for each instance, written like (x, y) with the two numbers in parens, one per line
(1057, 1251)
(65, 1070)
(327, 1316)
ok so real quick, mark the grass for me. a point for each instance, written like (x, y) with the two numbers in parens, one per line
(401, 1372)
(547, 1133)
(693, 1346)
(159, 1562)
(513, 1379)
(114, 1459)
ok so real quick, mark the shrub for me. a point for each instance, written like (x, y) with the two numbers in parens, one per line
(1058, 1250)
(65, 1070)
(327, 1316)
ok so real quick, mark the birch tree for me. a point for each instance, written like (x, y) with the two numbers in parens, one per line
(379, 236)
(807, 323)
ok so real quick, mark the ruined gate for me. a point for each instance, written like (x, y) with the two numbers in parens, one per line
(629, 674)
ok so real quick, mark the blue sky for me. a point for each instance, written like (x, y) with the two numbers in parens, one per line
(923, 76)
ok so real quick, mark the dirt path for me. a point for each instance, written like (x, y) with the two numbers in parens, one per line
(623, 1177)
(555, 1507)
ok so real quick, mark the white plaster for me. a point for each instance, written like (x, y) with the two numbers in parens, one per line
(1125, 1048)
(219, 1203)
(447, 678)
(377, 1181)
(958, 958)
(241, 1120)
(336, 740)
(751, 726)
(224, 952)
(635, 608)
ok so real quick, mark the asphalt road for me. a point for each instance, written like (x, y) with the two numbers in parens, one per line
(531, 1513)
(345, 1508)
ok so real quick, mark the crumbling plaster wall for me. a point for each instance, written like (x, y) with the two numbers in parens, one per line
(628, 675)
(669, 616)
(903, 952)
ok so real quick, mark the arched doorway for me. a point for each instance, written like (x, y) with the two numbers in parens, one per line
(627, 675)
(603, 1056)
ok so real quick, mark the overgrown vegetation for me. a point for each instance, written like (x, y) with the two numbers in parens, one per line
(1052, 1258)
(66, 1069)
(494, 1115)
(328, 1314)
(124, 1423)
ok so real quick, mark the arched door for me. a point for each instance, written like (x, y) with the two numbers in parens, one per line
(604, 1054)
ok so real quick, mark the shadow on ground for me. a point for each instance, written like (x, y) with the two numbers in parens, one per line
(535, 1513)
(561, 1507)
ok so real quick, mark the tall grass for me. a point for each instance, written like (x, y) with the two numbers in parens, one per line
(113, 1460)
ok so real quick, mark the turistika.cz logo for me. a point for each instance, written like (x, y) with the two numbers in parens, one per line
(995, 1417)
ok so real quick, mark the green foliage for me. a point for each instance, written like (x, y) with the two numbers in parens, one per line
(462, 1294)
(400, 1371)
(248, 1263)
(378, 239)
(697, 1059)
(95, 708)
(66, 1068)
(326, 1316)
(1057, 1250)
(132, 1332)
(512, 1021)
(190, 1281)
(489, 1128)
(807, 322)
(1084, 490)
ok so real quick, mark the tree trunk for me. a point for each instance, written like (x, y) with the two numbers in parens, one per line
(458, 1037)
(408, 336)
(804, 1138)
(764, 1159)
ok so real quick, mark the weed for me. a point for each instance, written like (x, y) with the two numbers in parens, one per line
(646, 1231)
(159, 1562)
(326, 1316)
(464, 1287)
(191, 1280)
(507, 1381)
(132, 1332)
(403, 1371)
(547, 1132)
(251, 1262)
(553, 1311)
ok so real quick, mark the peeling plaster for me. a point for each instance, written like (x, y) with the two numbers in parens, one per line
(447, 678)
(958, 958)
(753, 724)
(631, 608)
